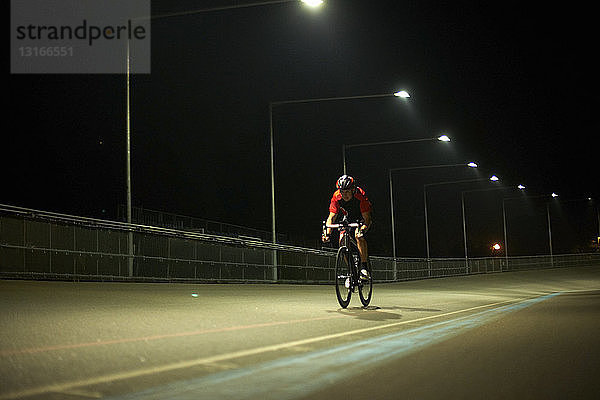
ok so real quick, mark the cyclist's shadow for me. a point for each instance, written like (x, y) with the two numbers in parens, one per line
(370, 313)
(376, 313)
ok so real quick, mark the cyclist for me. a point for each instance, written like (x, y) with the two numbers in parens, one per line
(351, 201)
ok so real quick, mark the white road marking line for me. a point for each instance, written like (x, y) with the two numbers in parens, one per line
(62, 387)
(82, 393)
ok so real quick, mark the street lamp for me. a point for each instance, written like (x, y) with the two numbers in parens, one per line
(464, 217)
(471, 165)
(442, 138)
(520, 187)
(425, 203)
(300, 101)
(310, 3)
(493, 178)
(548, 219)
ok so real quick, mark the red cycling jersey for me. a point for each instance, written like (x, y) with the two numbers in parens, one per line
(354, 208)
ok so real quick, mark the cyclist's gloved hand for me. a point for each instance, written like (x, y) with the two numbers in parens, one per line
(361, 231)
(324, 238)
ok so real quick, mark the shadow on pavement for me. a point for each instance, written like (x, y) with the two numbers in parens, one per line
(370, 313)
(376, 313)
(411, 309)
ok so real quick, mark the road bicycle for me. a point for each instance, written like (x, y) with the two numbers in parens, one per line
(347, 263)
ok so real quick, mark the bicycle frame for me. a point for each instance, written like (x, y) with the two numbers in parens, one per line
(350, 243)
(348, 240)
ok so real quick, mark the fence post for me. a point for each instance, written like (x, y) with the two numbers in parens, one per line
(24, 245)
(195, 260)
(74, 248)
(130, 253)
(168, 257)
(50, 245)
(97, 253)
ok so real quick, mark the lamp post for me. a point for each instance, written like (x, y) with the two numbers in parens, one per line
(549, 233)
(492, 178)
(548, 220)
(400, 94)
(464, 217)
(520, 187)
(442, 138)
(470, 165)
(598, 215)
(128, 171)
(309, 3)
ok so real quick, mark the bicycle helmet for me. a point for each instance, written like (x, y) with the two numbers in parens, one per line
(345, 182)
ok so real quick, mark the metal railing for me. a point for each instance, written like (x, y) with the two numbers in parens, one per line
(43, 245)
(148, 217)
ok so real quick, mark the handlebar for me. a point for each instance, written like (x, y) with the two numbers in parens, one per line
(343, 225)
(346, 225)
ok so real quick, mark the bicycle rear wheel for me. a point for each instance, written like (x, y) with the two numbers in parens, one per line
(343, 277)
(365, 288)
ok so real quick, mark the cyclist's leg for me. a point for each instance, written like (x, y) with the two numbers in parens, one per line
(364, 256)
(341, 240)
(363, 248)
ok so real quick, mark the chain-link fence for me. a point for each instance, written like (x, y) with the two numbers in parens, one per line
(42, 245)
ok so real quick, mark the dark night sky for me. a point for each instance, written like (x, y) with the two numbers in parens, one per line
(515, 86)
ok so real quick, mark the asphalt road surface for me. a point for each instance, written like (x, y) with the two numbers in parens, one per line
(530, 335)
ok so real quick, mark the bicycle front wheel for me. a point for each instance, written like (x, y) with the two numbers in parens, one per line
(343, 277)
(365, 288)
